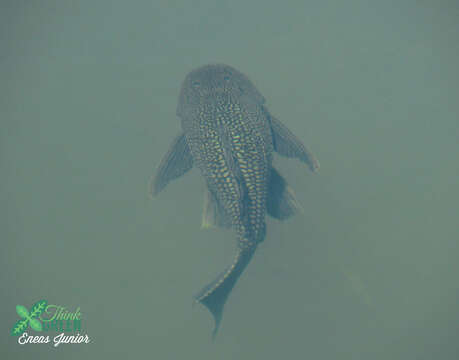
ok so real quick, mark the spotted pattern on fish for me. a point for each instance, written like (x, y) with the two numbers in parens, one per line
(231, 144)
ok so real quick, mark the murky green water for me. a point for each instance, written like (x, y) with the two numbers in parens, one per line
(88, 92)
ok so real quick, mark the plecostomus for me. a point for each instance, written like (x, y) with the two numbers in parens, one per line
(230, 136)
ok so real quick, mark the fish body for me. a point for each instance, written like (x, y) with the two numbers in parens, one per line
(229, 135)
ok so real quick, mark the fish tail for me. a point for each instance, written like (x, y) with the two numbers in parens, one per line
(214, 295)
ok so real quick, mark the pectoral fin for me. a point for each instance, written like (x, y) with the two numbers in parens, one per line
(281, 202)
(288, 145)
(174, 164)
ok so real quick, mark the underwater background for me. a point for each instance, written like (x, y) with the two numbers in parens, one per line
(88, 93)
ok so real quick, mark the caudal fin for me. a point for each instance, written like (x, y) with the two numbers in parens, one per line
(214, 295)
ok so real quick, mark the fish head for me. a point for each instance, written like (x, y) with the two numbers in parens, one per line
(209, 82)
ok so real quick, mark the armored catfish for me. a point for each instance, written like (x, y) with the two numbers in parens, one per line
(230, 136)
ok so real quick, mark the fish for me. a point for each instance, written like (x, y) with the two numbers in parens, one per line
(230, 136)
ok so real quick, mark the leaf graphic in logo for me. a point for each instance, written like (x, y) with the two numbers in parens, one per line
(29, 318)
(22, 311)
(38, 308)
(19, 327)
(36, 325)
